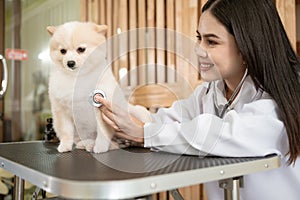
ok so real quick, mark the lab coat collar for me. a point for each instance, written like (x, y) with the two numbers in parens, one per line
(248, 93)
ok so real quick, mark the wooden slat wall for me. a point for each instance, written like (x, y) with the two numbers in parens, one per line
(149, 65)
(155, 65)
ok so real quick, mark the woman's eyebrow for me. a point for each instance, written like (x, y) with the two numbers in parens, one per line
(210, 35)
(207, 35)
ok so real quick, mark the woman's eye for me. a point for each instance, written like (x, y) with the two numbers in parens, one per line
(211, 42)
(63, 51)
(80, 50)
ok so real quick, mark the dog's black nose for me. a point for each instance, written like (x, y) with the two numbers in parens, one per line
(71, 64)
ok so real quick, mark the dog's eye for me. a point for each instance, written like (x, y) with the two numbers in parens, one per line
(81, 50)
(63, 51)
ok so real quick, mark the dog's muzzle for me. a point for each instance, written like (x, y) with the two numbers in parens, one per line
(92, 97)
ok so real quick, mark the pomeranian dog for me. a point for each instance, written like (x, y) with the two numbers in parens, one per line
(78, 50)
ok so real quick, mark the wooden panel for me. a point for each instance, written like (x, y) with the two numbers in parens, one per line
(150, 39)
(83, 10)
(287, 12)
(123, 42)
(185, 13)
(174, 12)
(115, 41)
(193, 72)
(102, 12)
(160, 41)
(109, 18)
(141, 42)
(178, 31)
(170, 25)
(149, 65)
(109, 23)
(133, 75)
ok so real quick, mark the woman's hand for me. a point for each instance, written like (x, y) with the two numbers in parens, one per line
(126, 126)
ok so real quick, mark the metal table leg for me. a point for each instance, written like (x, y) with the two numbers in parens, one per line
(232, 187)
(18, 188)
(176, 194)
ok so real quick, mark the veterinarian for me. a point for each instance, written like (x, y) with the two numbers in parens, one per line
(249, 104)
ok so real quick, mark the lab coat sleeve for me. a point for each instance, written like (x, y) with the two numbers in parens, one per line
(182, 110)
(254, 131)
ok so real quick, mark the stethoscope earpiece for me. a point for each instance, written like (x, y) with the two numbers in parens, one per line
(92, 98)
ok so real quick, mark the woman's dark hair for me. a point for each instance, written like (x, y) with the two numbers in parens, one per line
(267, 51)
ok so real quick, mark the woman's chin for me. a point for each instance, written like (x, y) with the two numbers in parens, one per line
(208, 77)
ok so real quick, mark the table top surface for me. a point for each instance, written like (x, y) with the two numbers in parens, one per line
(122, 173)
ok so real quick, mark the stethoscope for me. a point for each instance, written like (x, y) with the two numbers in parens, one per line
(223, 109)
(92, 97)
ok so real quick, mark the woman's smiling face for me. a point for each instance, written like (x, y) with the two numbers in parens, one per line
(217, 51)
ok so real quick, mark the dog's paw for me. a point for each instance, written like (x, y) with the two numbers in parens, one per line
(64, 147)
(87, 144)
(100, 149)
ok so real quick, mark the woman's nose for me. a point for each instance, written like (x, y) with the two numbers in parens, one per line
(200, 51)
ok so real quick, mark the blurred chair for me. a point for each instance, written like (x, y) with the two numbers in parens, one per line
(153, 96)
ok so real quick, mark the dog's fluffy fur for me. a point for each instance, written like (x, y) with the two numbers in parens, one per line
(79, 52)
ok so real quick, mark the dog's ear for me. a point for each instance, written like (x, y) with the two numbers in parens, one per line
(101, 29)
(51, 29)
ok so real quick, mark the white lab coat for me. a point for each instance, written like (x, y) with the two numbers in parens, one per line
(250, 128)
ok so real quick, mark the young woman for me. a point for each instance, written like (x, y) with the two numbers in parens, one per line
(248, 106)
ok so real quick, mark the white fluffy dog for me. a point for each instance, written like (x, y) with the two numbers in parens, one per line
(78, 50)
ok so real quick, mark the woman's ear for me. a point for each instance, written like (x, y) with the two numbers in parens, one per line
(244, 64)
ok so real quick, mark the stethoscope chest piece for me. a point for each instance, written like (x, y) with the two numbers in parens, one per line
(92, 97)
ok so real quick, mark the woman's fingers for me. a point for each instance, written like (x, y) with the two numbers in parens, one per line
(108, 116)
(120, 134)
(104, 102)
(110, 122)
(126, 126)
(106, 110)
